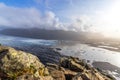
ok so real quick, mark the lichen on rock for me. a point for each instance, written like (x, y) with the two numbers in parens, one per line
(15, 63)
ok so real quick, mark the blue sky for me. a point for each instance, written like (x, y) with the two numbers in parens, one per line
(76, 15)
(62, 8)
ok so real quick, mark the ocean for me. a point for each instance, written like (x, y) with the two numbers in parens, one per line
(72, 48)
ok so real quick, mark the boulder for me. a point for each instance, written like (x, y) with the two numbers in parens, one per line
(58, 75)
(15, 64)
(71, 64)
(56, 71)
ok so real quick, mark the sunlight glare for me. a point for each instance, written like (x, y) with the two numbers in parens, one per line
(111, 20)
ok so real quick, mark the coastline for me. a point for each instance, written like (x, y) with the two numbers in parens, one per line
(67, 68)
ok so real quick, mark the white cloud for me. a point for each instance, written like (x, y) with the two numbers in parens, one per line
(31, 17)
(27, 17)
(50, 21)
(18, 17)
(81, 23)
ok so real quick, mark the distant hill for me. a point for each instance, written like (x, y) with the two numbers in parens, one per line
(50, 34)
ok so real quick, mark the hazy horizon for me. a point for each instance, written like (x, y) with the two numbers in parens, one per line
(100, 16)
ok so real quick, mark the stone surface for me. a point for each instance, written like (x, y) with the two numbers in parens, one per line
(15, 63)
(31, 77)
(76, 69)
(71, 64)
(58, 75)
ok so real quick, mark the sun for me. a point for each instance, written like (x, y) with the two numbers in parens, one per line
(111, 20)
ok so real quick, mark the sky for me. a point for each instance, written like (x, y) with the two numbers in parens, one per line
(75, 15)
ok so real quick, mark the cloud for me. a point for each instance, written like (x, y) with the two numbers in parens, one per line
(32, 17)
(81, 23)
(27, 18)
(50, 21)
(18, 17)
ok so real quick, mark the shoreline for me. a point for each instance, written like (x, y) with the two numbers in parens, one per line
(68, 68)
(110, 47)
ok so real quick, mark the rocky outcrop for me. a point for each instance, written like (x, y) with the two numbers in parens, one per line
(75, 69)
(19, 65)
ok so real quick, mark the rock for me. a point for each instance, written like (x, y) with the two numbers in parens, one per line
(76, 69)
(69, 74)
(27, 77)
(88, 67)
(90, 75)
(57, 75)
(58, 49)
(81, 77)
(56, 71)
(71, 64)
(19, 65)
(31, 77)
(16, 64)
(51, 65)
